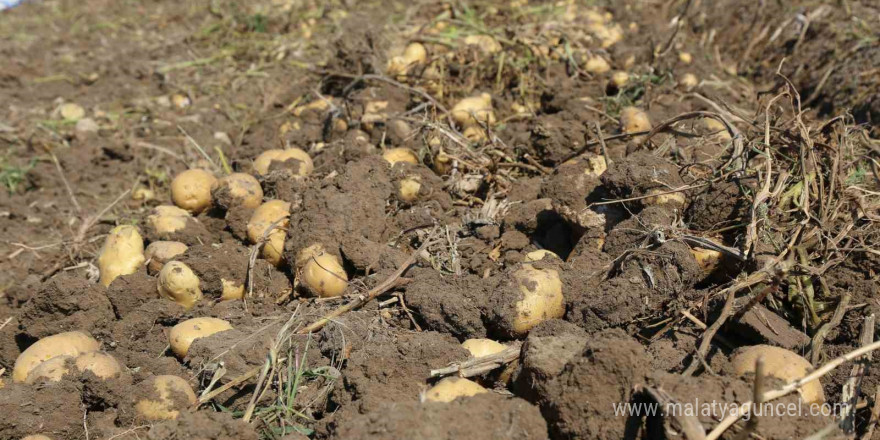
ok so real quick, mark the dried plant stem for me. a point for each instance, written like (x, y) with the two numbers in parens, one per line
(481, 365)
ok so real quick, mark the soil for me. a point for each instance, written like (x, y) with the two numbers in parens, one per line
(164, 87)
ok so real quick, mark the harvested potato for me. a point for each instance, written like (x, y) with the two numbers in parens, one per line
(480, 347)
(321, 272)
(183, 334)
(102, 365)
(405, 155)
(781, 364)
(539, 255)
(237, 189)
(143, 194)
(167, 219)
(409, 188)
(486, 43)
(442, 163)
(619, 79)
(415, 53)
(689, 81)
(664, 197)
(36, 437)
(305, 166)
(685, 57)
(51, 370)
(122, 254)
(474, 133)
(452, 388)
(718, 129)
(273, 212)
(231, 290)
(542, 298)
(708, 259)
(68, 343)
(633, 120)
(178, 283)
(164, 397)
(160, 252)
(71, 112)
(191, 190)
(475, 110)
(596, 64)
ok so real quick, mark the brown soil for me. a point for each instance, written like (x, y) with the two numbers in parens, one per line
(166, 87)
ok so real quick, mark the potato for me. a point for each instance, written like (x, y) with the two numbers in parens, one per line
(405, 155)
(718, 129)
(476, 110)
(160, 252)
(486, 43)
(237, 189)
(633, 120)
(415, 53)
(68, 343)
(685, 57)
(143, 194)
(409, 188)
(474, 133)
(781, 364)
(482, 347)
(619, 79)
(178, 283)
(541, 298)
(167, 219)
(71, 112)
(51, 370)
(191, 190)
(452, 388)
(36, 437)
(321, 272)
(164, 398)
(102, 365)
(231, 290)
(708, 259)
(183, 334)
(688, 81)
(262, 219)
(264, 161)
(539, 255)
(675, 199)
(122, 254)
(596, 64)
(442, 163)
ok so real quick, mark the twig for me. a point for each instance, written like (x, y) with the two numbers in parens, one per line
(240, 379)
(66, 183)
(819, 338)
(8, 320)
(758, 398)
(388, 284)
(481, 365)
(688, 423)
(850, 394)
(199, 148)
(875, 417)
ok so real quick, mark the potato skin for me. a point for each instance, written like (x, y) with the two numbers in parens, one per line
(122, 254)
(541, 298)
(179, 283)
(782, 364)
(167, 219)
(68, 343)
(480, 347)
(262, 219)
(324, 276)
(237, 189)
(633, 120)
(99, 363)
(159, 403)
(475, 110)
(51, 370)
(160, 252)
(183, 334)
(452, 388)
(191, 190)
(404, 155)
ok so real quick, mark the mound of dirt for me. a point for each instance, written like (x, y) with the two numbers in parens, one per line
(203, 425)
(65, 303)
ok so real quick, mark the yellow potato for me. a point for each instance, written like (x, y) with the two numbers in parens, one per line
(263, 162)
(324, 276)
(718, 128)
(474, 133)
(596, 64)
(409, 188)
(542, 298)
(442, 163)
(231, 290)
(658, 197)
(405, 155)
(685, 57)
(165, 397)
(475, 110)
(51, 370)
(69, 343)
(619, 79)
(708, 259)
(486, 43)
(634, 120)
(539, 255)
(178, 283)
(689, 81)
(237, 189)
(482, 347)
(167, 219)
(160, 252)
(781, 364)
(36, 437)
(103, 365)
(191, 190)
(183, 334)
(452, 388)
(415, 53)
(122, 254)
(71, 112)
(262, 219)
